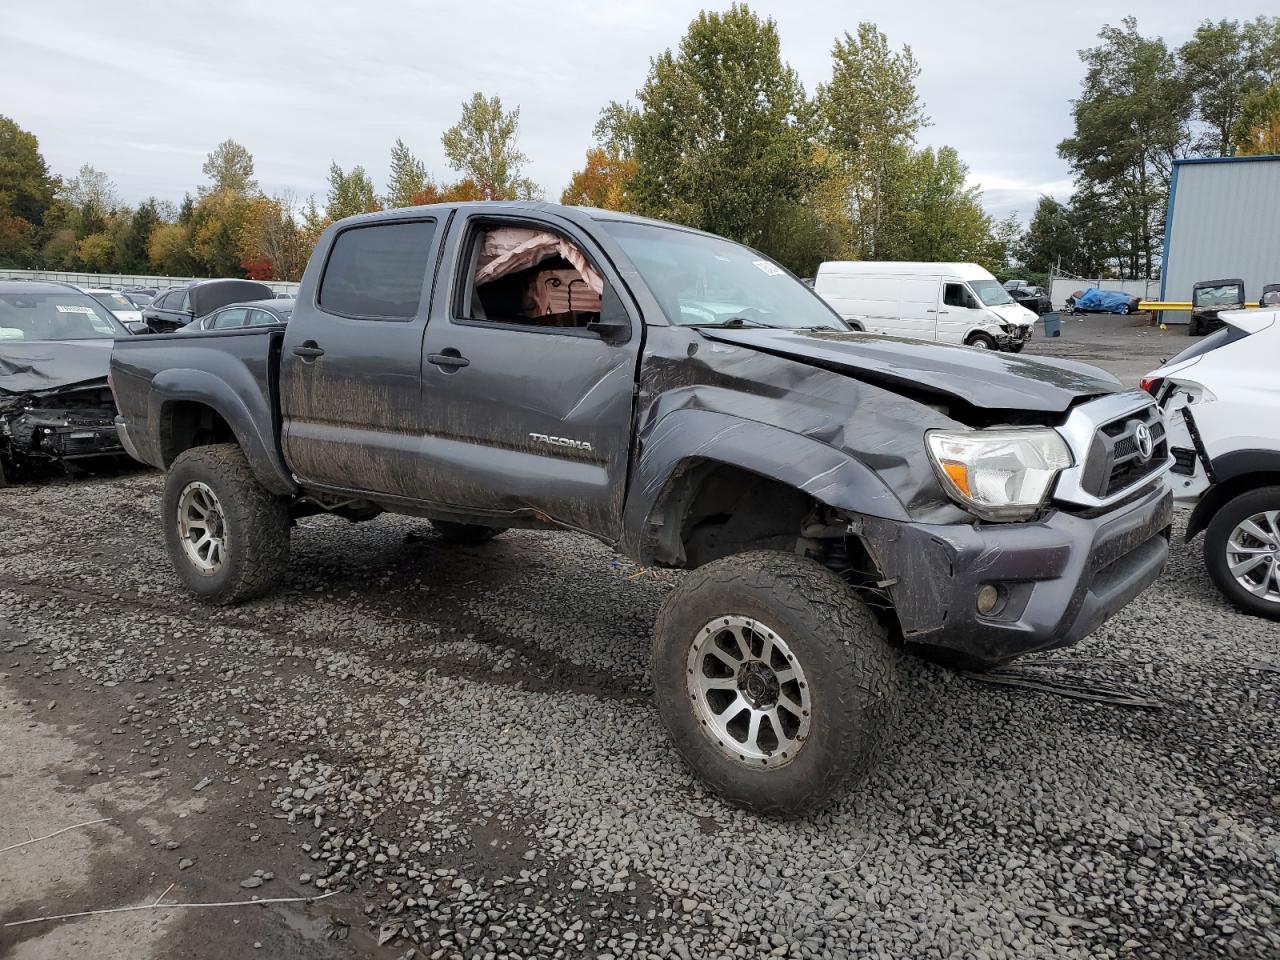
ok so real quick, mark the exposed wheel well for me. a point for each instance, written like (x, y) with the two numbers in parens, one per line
(188, 423)
(1220, 493)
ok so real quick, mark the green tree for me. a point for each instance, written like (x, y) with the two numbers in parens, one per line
(92, 195)
(133, 236)
(408, 176)
(721, 134)
(1223, 64)
(1131, 121)
(1051, 240)
(96, 252)
(350, 193)
(169, 250)
(483, 147)
(871, 115)
(940, 217)
(229, 166)
(24, 176)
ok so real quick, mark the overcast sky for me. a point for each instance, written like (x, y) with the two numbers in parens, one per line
(143, 90)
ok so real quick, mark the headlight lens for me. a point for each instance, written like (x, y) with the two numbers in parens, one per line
(999, 474)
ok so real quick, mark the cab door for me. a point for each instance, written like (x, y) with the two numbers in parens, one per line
(350, 367)
(521, 414)
(959, 312)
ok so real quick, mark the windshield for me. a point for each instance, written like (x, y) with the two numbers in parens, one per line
(706, 280)
(1226, 295)
(990, 292)
(112, 300)
(56, 316)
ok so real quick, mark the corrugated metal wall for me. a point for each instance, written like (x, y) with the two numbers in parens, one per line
(1224, 223)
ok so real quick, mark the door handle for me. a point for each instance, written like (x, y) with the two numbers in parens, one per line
(308, 350)
(449, 359)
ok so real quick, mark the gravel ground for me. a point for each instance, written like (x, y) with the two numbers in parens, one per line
(461, 742)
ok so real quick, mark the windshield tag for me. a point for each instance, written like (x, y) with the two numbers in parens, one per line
(72, 308)
(768, 269)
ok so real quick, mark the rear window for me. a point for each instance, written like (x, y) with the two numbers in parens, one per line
(377, 272)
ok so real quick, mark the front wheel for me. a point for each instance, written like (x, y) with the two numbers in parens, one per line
(981, 341)
(776, 684)
(226, 535)
(1242, 551)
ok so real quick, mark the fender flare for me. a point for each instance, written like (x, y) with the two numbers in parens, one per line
(198, 386)
(686, 437)
(1230, 474)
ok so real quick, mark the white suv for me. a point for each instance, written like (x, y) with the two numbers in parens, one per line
(1221, 400)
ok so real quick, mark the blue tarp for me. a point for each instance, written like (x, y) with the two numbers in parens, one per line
(1104, 301)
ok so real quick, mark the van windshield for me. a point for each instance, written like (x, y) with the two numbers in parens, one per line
(702, 280)
(990, 292)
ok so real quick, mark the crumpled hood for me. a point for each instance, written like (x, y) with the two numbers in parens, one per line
(39, 365)
(983, 378)
(1014, 313)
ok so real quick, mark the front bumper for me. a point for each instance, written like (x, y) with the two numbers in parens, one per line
(1059, 578)
(1012, 335)
(60, 435)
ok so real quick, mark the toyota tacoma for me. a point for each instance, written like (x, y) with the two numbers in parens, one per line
(688, 402)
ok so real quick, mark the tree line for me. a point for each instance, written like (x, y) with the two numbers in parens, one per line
(1143, 105)
(721, 135)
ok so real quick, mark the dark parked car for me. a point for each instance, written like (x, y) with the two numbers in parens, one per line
(1208, 299)
(685, 400)
(55, 350)
(256, 313)
(1033, 298)
(177, 307)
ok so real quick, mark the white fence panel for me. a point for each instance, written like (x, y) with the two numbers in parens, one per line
(1062, 287)
(120, 280)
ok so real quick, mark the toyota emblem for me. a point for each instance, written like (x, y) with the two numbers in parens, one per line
(1146, 446)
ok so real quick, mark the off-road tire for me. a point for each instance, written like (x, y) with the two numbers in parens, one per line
(465, 534)
(257, 524)
(1216, 535)
(981, 341)
(852, 673)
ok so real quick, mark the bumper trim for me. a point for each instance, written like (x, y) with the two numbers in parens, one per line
(1064, 575)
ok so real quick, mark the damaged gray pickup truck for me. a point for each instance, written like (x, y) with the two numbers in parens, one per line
(690, 403)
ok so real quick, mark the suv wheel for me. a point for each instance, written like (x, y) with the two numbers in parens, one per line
(776, 684)
(981, 341)
(465, 534)
(1242, 551)
(226, 535)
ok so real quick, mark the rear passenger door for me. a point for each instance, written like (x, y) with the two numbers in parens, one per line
(350, 377)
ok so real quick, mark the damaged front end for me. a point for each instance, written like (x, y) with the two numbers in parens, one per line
(62, 425)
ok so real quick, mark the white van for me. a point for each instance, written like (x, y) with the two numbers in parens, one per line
(948, 302)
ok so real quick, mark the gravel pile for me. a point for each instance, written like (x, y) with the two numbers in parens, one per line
(462, 740)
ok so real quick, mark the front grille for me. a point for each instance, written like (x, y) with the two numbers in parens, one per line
(1115, 461)
(1184, 461)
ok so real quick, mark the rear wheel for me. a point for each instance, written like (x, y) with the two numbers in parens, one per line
(777, 685)
(226, 535)
(465, 534)
(981, 341)
(1242, 551)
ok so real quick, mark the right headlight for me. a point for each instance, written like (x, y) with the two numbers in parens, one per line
(999, 474)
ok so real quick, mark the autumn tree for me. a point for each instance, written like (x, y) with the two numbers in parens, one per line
(271, 235)
(720, 134)
(408, 178)
(229, 167)
(26, 188)
(483, 146)
(350, 193)
(169, 250)
(1257, 129)
(604, 181)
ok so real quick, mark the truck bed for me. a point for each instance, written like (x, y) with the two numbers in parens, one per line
(234, 372)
